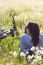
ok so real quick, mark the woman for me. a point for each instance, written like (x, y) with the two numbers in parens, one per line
(31, 38)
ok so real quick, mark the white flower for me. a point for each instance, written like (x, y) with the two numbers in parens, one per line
(41, 48)
(22, 54)
(36, 48)
(30, 57)
(37, 52)
(14, 54)
(27, 52)
(33, 48)
(41, 51)
(38, 57)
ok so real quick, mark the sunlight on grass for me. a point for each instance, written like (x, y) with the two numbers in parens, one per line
(25, 11)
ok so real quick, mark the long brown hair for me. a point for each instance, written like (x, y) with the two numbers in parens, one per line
(34, 31)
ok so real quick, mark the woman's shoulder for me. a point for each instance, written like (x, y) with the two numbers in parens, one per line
(25, 37)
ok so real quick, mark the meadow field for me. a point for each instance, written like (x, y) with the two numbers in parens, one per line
(24, 11)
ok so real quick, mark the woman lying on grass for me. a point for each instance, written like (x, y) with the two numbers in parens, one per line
(32, 37)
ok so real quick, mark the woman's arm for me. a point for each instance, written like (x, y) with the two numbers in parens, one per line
(25, 43)
(41, 40)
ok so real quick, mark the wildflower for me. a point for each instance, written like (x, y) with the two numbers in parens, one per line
(36, 48)
(38, 57)
(33, 48)
(30, 57)
(27, 52)
(37, 52)
(41, 51)
(22, 54)
(14, 54)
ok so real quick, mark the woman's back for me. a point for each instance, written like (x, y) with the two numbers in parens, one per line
(26, 42)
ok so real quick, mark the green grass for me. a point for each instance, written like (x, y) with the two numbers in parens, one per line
(22, 16)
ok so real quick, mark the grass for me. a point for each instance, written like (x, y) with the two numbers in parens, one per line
(24, 12)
